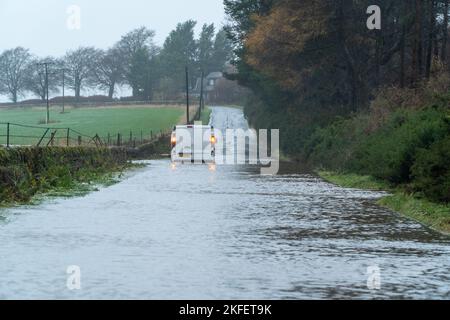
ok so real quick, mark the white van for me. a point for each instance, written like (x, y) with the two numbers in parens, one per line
(193, 144)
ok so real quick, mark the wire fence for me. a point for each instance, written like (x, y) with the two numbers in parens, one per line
(79, 104)
(16, 135)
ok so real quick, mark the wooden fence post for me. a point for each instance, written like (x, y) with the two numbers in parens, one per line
(7, 135)
(52, 137)
(42, 138)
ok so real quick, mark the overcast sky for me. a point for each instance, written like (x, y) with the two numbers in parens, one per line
(48, 27)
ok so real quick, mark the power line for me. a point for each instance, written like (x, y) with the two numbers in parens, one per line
(46, 64)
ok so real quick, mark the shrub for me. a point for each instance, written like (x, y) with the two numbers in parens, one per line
(26, 171)
(431, 171)
(390, 152)
(333, 146)
(411, 148)
(388, 100)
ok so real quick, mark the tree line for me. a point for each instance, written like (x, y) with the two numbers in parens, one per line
(308, 61)
(135, 60)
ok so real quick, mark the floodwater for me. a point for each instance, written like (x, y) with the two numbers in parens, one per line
(191, 232)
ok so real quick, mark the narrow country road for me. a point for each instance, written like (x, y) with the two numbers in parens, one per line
(193, 233)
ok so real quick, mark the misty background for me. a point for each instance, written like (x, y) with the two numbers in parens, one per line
(41, 26)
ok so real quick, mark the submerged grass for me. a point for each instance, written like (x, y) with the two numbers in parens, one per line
(91, 182)
(355, 181)
(76, 188)
(433, 215)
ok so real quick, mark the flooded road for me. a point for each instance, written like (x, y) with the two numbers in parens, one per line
(194, 233)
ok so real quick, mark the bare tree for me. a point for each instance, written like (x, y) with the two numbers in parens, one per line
(35, 77)
(13, 66)
(109, 70)
(80, 64)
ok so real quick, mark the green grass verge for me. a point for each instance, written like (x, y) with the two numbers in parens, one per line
(89, 121)
(30, 173)
(354, 181)
(90, 182)
(434, 215)
(205, 115)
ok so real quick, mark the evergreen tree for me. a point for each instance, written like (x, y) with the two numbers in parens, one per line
(179, 51)
(206, 51)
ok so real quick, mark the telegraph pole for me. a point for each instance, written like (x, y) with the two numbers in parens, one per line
(148, 86)
(187, 95)
(63, 93)
(64, 70)
(46, 64)
(201, 92)
(46, 86)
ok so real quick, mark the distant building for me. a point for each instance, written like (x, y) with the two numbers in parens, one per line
(218, 89)
(212, 79)
(209, 84)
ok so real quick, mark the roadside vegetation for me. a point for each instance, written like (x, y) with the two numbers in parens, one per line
(432, 214)
(406, 153)
(205, 115)
(354, 181)
(410, 148)
(372, 106)
(28, 172)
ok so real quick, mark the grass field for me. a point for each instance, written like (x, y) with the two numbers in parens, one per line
(88, 121)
